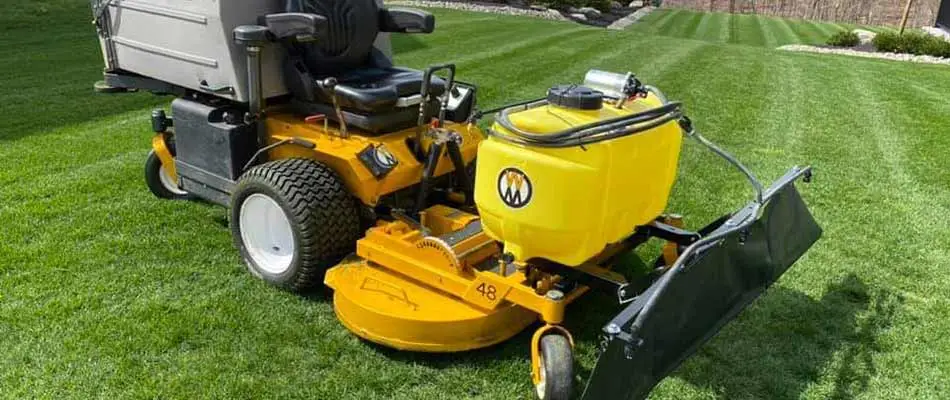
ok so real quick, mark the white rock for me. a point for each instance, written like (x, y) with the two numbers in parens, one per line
(635, 4)
(867, 54)
(590, 12)
(579, 16)
(866, 37)
(635, 16)
(935, 31)
(615, 5)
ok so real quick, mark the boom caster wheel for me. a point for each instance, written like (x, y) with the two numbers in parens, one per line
(555, 377)
(161, 182)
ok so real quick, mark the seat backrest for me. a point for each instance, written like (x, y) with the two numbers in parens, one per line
(352, 27)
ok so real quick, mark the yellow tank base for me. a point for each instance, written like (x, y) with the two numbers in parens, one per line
(389, 309)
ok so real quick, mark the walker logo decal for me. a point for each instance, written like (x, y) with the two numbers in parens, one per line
(514, 187)
(384, 157)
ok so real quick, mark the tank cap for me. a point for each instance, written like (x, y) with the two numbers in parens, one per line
(576, 97)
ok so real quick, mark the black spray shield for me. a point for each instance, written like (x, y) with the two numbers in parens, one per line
(690, 303)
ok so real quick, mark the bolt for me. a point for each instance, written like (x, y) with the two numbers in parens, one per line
(555, 295)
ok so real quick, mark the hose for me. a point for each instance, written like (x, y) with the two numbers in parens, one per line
(595, 132)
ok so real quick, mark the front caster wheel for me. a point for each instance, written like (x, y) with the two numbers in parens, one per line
(557, 368)
(292, 219)
(160, 182)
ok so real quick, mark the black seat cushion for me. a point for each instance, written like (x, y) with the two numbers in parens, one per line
(379, 89)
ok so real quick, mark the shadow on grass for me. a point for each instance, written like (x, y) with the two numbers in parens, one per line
(788, 341)
(777, 349)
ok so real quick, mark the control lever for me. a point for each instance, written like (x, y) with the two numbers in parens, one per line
(329, 85)
(424, 105)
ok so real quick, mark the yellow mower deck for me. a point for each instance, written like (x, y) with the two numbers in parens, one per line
(440, 292)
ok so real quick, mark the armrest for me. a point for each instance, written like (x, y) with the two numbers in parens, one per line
(406, 20)
(289, 25)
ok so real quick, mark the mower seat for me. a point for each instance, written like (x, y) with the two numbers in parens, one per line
(373, 94)
(376, 90)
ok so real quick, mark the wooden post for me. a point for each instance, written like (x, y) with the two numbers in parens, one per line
(904, 17)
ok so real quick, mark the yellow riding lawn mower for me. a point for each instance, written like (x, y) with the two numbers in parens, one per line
(341, 169)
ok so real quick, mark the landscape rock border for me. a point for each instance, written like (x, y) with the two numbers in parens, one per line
(624, 22)
(492, 8)
(922, 59)
(585, 15)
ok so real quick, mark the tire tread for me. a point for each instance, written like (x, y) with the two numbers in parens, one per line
(323, 212)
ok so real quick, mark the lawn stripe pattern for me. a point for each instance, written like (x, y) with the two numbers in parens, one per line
(107, 292)
(747, 29)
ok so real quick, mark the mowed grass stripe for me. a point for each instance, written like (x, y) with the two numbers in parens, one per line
(811, 33)
(766, 31)
(931, 169)
(531, 44)
(784, 31)
(925, 237)
(420, 51)
(724, 22)
(913, 229)
(747, 29)
(685, 27)
(670, 19)
(626, 54)
(706, 27)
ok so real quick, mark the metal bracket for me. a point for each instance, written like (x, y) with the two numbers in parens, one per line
(671, 233)
(294, 140)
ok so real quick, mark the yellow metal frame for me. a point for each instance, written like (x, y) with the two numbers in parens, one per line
(164, 155)
(399, 247)
(341, 153)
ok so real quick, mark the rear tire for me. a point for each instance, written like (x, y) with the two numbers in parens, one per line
(557, 368)
(291, 220)
(160, 182)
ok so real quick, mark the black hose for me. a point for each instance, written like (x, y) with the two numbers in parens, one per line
(589, 133)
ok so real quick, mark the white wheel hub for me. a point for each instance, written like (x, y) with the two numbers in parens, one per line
(267, 234)
(170, 182)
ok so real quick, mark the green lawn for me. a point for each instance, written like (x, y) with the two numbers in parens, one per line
(748, 29)
(107, 292)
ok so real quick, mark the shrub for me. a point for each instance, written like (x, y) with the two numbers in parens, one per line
(844, 39)
(937, 48)
(887, 42)
(912, 43)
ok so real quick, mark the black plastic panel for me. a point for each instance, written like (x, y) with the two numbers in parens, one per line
(689, 305)
(206, 142)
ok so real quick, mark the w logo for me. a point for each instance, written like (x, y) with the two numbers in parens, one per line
(514, 188)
